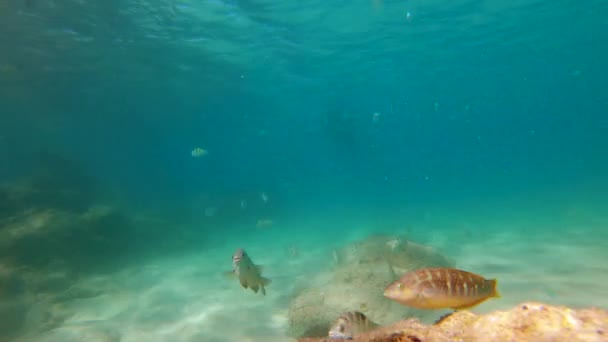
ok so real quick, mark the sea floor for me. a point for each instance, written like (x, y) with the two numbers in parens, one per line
(188, 297)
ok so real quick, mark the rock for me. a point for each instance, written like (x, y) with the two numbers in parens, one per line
(12, 284)
(52, 215)
(362, 270)
(41, 237)
(94, 331)
(12, 318)
(527, 322)
(59, 214)
(44, 316)
(13, 307)
(53, 182)
(48, 281)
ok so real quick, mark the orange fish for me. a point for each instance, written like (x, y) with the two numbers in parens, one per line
(438, 288)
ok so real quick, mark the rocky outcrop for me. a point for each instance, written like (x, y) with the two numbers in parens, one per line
(53, 182)
(526, 322)
(38, 237)
(356, 281)
(12, 307)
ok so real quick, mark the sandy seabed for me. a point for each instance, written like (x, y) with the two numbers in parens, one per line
(188, 297)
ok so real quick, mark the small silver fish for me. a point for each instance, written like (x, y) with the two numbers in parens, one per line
(349, 324)
(249, 274)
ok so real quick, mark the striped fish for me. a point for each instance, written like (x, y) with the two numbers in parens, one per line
(349, 324)
(438, 288)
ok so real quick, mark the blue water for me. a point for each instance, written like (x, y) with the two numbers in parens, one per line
(462, 123)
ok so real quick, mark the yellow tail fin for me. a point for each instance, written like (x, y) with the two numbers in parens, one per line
(493, 284)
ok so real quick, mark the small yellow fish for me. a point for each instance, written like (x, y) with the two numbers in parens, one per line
(199, 152)
(438, 288)
(349, 324)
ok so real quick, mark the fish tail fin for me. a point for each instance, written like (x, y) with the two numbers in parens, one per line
(494, 292)
(263, 283)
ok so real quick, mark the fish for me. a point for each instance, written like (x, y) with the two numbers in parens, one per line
(248, 274)
(264, 223)
(210, 211)
(439, 288)
(198, 152)
(264, 197)
(351, 323)
(375, 117)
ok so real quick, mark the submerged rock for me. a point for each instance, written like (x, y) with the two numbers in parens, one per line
(356, 282)
(527, 322)
(93, 331)
(13, 307)
(52, 182)
(38, 237)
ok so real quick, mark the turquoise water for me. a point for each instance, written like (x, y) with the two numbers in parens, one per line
(476, 128)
